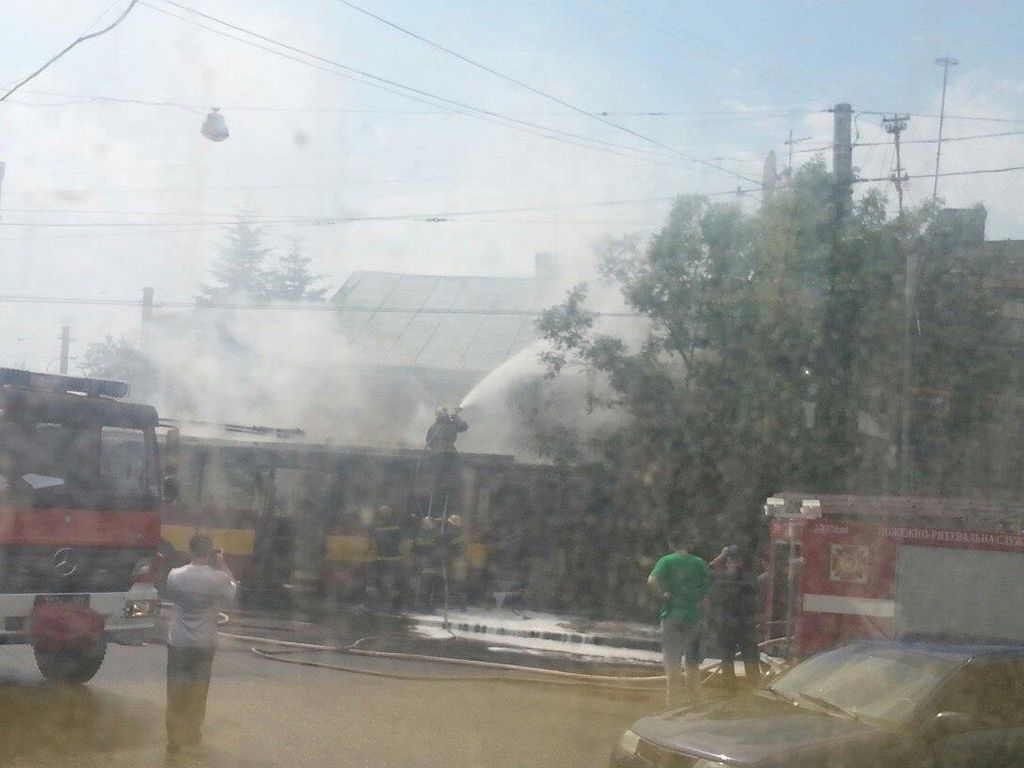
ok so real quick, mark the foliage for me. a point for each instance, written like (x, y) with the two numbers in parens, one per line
(244, 272)
(240, 271)
(291, 279)
(119, 359)
(966, 367)
(772, 358)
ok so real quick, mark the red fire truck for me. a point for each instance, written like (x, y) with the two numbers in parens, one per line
(848, 567)
(80, 494)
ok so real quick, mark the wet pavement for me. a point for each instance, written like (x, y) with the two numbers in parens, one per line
(265, 713)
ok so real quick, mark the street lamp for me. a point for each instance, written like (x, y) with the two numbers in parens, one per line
(214, 128)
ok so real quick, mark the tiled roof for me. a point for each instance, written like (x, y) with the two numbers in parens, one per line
(438, 321)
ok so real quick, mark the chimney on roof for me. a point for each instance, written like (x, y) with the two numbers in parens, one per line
(546, 267)
(147, 304)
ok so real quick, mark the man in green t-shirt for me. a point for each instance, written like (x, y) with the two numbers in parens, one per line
(680, 581)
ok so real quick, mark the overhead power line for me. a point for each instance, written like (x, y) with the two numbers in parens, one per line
(247, 161)
(433, 217)
(81, 99)
(543, 94)
(131, 228)
(979, 118)
(543, 132)
(400, 89)
(945, 140)
(78, 41)
(100, 302)
(184, 230)
(303, 156)
(217, 228)
(976, 172)
(85, 98)
(295, 185)
(232, 216)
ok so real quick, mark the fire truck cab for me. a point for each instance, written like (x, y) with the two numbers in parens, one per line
(80, 495)
(849, 567)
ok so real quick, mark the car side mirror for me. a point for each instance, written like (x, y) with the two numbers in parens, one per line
(951, 723)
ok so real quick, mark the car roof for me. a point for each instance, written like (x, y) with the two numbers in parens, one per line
(948, 647)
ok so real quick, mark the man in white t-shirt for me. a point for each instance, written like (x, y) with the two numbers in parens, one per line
(198, 590)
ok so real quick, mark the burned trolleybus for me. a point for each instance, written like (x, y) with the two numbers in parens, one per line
(296, 519)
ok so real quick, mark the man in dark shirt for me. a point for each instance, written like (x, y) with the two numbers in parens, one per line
(734, 604)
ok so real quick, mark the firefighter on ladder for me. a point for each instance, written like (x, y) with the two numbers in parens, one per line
(435, 542)
(444, 455)
(445, 431)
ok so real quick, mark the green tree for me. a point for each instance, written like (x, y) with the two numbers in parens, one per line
(291, 279)
(240, 272)
(965, 364)
(771, 358)
(119, 359)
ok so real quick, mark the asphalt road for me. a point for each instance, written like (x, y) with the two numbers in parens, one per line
(267, 713)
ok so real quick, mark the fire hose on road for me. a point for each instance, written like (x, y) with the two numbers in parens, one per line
(644, 683)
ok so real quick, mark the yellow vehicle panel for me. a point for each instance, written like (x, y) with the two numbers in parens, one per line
(234, 541)
(349, 549)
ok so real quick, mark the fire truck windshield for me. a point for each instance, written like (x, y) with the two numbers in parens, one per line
(45, 464)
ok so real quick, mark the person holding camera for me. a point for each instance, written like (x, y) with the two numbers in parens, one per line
(198, 590)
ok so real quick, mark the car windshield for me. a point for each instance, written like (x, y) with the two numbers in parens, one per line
(876, 684)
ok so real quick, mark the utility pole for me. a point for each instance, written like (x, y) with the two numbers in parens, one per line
(65, 347)
(836, 352)
(789, 143)
(894, 126)
(945, 62)
(769, 178)
(147, 317)
(842, 156)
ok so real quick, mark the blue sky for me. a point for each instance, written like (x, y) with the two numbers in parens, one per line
(113, 165)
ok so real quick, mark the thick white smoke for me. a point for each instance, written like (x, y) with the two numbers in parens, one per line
(274, 367)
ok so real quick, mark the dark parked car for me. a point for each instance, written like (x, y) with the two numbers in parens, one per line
(905, 704)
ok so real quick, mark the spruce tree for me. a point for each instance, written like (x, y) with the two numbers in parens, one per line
(240, 271)
(291, 279)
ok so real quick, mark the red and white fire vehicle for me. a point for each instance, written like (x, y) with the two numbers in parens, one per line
(848, 567)
(80, 495)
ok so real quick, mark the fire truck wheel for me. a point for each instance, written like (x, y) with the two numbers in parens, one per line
(71, 666)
